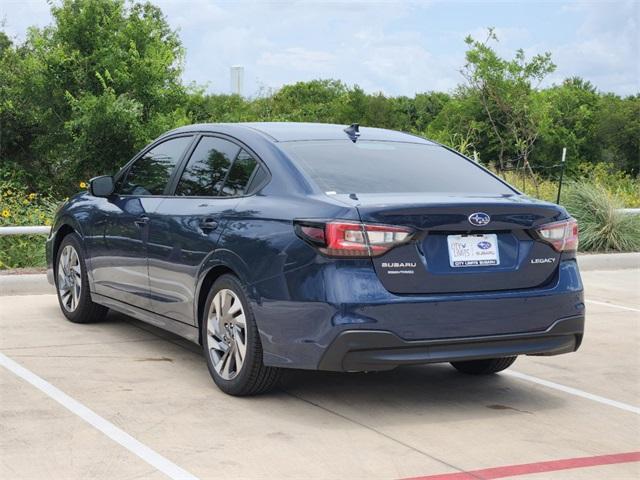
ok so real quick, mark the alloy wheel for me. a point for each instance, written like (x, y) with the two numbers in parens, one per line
(227, 334)
(69, 278)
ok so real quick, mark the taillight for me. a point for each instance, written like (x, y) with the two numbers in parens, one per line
(352, 239)
(562, 235)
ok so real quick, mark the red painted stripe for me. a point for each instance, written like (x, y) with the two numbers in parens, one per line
(538, 467)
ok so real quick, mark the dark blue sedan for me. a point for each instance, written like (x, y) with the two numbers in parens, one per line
(315, 246)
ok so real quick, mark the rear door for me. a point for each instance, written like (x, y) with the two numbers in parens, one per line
(120, 268)
(185, 228)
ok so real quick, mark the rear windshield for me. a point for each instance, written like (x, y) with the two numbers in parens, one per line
(342, 166)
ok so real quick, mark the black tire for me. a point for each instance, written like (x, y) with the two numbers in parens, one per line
(484, 367)
(85, 310)
(253, 377)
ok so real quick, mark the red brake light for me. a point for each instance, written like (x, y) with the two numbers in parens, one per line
(352, 239)
(562, 235)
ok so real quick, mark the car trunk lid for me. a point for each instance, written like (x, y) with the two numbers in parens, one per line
(453, 250)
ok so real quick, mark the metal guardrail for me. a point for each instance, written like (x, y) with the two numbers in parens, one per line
(40, 230)
(43, 230)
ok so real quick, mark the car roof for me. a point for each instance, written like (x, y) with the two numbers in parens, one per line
(300, 131)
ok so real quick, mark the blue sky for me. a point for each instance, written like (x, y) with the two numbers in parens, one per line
(396, 47)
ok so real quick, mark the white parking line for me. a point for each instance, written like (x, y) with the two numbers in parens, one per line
(595, 302)
(150, 456)
(574, 391)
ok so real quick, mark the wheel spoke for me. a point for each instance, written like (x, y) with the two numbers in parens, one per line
(235, 307)
(226, 302)
(240, 321)
(215, 344)
(76, 295)
(238, 357)
(212, 325)
(217, 306)
(62, 279)
(66, 297)
(64, 259)
(223, 365)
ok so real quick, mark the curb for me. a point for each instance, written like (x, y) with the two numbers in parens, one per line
(37, 284)
(28, 284)
(608, 261)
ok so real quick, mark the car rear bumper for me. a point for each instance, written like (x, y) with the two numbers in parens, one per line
(353, 309)
(369, 350)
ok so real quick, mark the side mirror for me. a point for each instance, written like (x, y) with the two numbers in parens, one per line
(102, 186)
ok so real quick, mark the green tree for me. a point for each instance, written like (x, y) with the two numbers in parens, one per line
(84, 93)
(461, 124)
(617, 131)
(572, 109)
(509, 95)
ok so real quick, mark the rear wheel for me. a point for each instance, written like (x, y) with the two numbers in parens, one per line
(231, 341)
(484, 367)
(72, 284)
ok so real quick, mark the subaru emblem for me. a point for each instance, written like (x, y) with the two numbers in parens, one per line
(479, 219)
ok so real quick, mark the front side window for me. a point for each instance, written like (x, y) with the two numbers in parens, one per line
(207, 168)
(150, 173)
(342, 166)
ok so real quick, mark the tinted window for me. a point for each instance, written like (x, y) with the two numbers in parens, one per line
(389, 167)
(240, 175)
(150, 174)
(207, 167)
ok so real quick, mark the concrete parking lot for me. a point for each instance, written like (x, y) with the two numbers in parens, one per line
(123, 400)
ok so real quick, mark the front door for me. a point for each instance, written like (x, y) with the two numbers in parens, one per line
(120, 267)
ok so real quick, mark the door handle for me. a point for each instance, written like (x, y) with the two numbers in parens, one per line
(208, 224)
(141, 221)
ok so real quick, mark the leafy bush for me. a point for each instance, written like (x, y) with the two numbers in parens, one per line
(18, 207)
(603, 227)
(616, 182)
(545, 190)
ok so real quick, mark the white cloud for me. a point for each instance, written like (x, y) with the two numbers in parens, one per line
(381, 45)
(298, 58)
(606, 47)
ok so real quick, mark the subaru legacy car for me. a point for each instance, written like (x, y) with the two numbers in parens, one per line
(320, 247)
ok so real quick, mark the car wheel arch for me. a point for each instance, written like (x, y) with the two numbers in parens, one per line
(63, 230)
(205, 284)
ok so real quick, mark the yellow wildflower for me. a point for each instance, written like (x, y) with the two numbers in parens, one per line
(32, 196)
(47, 222)
(6, 213)
(83, 185)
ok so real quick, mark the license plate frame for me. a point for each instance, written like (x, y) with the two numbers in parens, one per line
(473, 250)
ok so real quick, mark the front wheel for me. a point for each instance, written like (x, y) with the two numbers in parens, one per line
(72, 283)
(231, 341)
(484, 367)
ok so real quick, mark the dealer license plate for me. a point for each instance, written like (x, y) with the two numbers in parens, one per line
(473, 250)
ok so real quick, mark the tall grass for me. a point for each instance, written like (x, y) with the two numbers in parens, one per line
(603, 227)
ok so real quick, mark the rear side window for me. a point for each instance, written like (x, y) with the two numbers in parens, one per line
(150, 173)
(342, 166)
(242, 172)
(207, 168)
